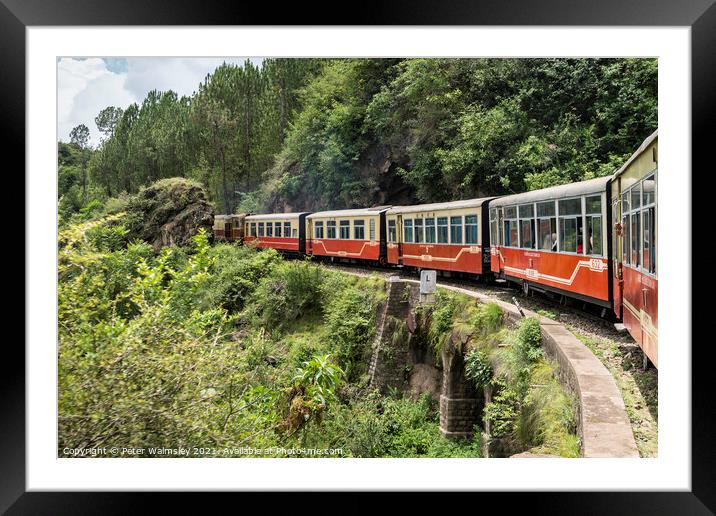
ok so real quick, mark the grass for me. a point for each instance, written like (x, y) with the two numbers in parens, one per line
(639, 388)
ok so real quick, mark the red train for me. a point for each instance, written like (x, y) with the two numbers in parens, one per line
(594, 240)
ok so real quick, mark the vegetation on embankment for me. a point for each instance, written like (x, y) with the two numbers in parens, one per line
(310, 134)
(222, 348)
(526, 407)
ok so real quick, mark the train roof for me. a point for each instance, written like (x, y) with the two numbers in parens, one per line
(276, 216)
(641, 149)
(357, 212)
(437, 206)
(227, 216)
(587, 187)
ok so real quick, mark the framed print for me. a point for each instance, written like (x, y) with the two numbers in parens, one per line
(388, 251)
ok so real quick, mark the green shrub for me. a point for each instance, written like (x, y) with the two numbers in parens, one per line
(290, 291)
(237, 272)
(502, 412)
(487, 319)
(108, 237)
(547, 420)
(528, 344)
(350, 322)
(117, 204)
(478, 367)
(320, 379)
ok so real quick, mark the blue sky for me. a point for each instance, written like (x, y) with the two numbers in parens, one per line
(85, 86)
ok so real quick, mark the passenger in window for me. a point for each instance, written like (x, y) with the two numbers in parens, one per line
(548, 241)
(580, 249)
(554, 242)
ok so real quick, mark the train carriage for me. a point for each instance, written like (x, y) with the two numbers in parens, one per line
(555, 239)
(228, 227)
(358, 234)
(281, 231)
(449, 236)
(635, 211)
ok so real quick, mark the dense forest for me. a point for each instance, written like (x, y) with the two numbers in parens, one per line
(312, 134)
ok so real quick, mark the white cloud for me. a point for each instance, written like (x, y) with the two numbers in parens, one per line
(86, 86)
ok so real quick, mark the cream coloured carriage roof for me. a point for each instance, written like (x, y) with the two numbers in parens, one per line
(274, 216)
(358, 212)
(438, 206)
(590, 186)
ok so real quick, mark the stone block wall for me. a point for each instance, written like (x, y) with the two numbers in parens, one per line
(390, 360)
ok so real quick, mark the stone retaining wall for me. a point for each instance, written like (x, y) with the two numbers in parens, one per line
(602, 421)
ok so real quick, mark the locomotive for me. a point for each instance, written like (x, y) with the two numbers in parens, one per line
(593, 240)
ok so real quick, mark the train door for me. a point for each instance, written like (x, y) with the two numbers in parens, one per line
(399, 238)
(618, 249)
(308, 237)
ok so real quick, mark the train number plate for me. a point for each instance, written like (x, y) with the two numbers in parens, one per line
(532, 273)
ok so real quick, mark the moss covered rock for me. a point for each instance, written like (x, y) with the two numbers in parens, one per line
(169, 212)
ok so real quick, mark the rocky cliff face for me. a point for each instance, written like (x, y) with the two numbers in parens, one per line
(169, 213)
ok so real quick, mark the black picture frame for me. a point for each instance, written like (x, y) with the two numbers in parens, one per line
(700, 15)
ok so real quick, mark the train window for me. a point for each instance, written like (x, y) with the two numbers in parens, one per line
(261, 229)
(359, 229)
(331, 229)
(294, 233)
(510, 226)
(594, 225)
(649, 245)
(649, 187)
(527, 230)
(392, 232)
(277, 230)
(547, 233)
(493, 226)
(570, 226)
(430, 230)
(318, 229)
(345, 230)
(286, 229)
(570, 207)
(626, 226)
(419, 235)
(569, 229)
(269, 229)
(594, 204)
(408, 230)
(527, 226)
(253, 229)
(371, 227)
(635, 233)
(526, 211)
(471, 229)
(456, 230)
(546, 226)
(545, 209)
(635, 198)
(594, 235)
(442, 230)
